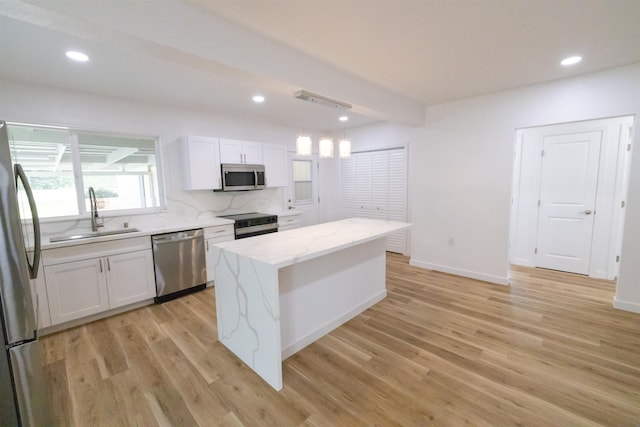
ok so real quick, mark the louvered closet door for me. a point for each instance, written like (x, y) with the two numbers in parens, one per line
(363, 184)
(397, 198)
(379, 185)
(375, 186)
(349, 203)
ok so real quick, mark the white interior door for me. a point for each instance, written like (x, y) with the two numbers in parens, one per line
(569, 177)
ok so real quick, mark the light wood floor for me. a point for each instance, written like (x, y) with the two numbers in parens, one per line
(439, 350)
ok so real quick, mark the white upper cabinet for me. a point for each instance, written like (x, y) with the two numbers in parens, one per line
(234, 151)
(201, 163)
(275, 164)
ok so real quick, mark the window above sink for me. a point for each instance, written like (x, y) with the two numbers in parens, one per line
(61, 164)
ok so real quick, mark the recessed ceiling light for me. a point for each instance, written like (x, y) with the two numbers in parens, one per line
(76, 56)
(258, 99)
(343, 118)
(571, 60)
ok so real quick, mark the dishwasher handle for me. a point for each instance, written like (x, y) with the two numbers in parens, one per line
(182, 236)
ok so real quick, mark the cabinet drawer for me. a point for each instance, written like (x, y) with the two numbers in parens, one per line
(218, 231)
(288, 220)
(94, 250)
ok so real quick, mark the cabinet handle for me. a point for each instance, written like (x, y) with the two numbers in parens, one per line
(108, 264)
(207, 245)
(100, 265)
(240, 157)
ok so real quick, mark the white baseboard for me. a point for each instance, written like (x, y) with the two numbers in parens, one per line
(498, 280)
(88, 319)
(522, 262)
(328, 327)
(633, 307)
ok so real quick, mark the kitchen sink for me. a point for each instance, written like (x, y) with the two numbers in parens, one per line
(92, 234)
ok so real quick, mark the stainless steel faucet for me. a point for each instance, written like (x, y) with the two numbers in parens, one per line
(96, 221)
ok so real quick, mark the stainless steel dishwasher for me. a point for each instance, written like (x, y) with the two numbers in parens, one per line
(179, 263)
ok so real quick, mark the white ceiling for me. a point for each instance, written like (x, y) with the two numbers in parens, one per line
(389, 58)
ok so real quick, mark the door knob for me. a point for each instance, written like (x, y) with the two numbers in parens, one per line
(587, 212)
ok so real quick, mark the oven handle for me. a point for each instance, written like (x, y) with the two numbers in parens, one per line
(253, 229)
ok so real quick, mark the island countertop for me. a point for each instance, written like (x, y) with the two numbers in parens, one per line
(301, 244)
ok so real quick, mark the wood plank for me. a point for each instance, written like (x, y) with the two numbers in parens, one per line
(110, 358)
(166, 402)
(58, 397)
(440, 350)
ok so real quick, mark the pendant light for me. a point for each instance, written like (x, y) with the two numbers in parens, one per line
(344, 147)
(303, 144)
(325, 147)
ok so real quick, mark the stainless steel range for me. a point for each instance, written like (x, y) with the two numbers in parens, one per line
(253, 224)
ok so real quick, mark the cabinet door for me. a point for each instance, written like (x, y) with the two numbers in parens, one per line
(209, 259)
(76, 289)
(252, 153)
(275, 164)
(41, 301)
(201, 163)
(231, 151)
(130, 278)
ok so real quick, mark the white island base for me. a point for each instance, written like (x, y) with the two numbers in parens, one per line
(277, 293)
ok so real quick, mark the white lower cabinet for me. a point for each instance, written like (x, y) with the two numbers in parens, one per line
(288, 222)
(87, 279)
(213, 235)
(76, 289)
(40, 299)
(130, 278)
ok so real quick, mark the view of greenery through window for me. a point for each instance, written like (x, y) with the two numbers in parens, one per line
(121, 169)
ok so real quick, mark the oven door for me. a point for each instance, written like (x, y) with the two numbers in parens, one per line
(256, 230)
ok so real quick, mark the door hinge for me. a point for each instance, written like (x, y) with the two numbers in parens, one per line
(542, 153)
(617, 258)
(539, 203)
(535, 251)
(622, 204)
(629, 146)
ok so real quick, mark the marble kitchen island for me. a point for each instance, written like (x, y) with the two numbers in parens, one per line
(277, 293)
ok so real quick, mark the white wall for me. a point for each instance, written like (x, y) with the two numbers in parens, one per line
(610, 192)
(460, 171)
(461, 163)
(42, 105)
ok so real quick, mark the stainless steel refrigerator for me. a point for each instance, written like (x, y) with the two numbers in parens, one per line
(22, 394)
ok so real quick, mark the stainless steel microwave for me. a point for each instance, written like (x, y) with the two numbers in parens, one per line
(242, 177)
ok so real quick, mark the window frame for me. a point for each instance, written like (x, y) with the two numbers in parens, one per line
(78, 175)
(307, 205)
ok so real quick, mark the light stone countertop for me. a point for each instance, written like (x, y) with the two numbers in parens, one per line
(168, 228)
(297, 245)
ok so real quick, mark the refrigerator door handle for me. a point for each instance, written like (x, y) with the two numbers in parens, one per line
(20, 175)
